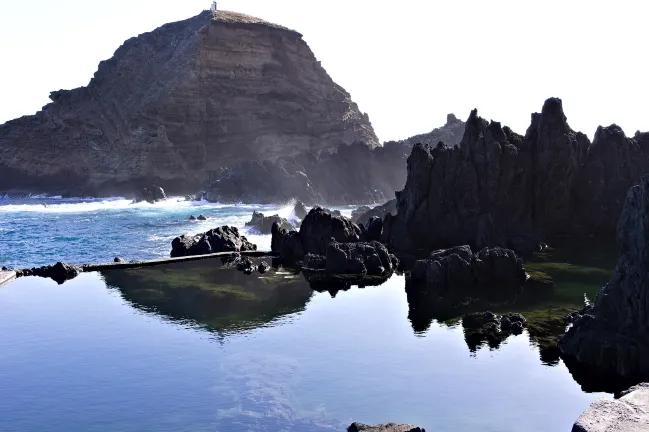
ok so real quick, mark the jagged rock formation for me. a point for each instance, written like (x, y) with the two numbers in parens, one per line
(179, 102)
(221, 239)
(151, 194)
(263, 224)
(360, 258)
(613, 336)
(362, 215)
(351, 174)
(318, 229)
(503, 189)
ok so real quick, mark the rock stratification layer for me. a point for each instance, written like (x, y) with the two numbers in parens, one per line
(499, 188)
(174, 104)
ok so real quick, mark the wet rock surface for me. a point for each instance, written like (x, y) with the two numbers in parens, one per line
(59, 272)
(264, 224)
(371, 259)
(221, 239)
(612, 337)
(150, 194)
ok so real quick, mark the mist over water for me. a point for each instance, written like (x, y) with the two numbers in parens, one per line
(40, 230)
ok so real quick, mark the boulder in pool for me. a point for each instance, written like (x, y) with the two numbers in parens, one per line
(59, 272)
(221, 239)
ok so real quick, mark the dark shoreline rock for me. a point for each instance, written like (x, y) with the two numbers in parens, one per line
(151, 194)
(59, 272)
(389, 427)
(264, 224)
(362, 215)
(612, 338)
(221, 239)
(300, 210)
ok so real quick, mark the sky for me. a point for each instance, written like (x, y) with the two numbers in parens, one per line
(406, 63)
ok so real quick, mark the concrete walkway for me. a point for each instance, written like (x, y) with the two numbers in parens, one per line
(6, 277)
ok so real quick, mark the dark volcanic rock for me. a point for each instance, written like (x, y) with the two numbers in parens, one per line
(389, 427)
(373, 230)
(221, 239)
(263, 267)
(300, 210)
(151, 194)
(362, 215)
(59, 272)
(246, 266)
(192, 218)
(119, 260)
(370, 259)
(319, 228)
(492, 273)
(613, 336)
(181, 101)
(486, 327)
(201, 217)
(263, 224)
(503, 189)
(288, 244)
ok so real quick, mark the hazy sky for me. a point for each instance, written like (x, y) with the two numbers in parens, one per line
(406, 63)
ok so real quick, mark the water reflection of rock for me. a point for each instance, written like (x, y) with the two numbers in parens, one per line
(212, 293)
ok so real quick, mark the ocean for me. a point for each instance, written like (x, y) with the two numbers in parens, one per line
(41, 230)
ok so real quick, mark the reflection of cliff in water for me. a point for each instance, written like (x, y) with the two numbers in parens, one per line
(212, 293)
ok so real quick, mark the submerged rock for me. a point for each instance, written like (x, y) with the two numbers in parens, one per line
(389, 427)
(119, 260)
(264, 224)
(613, 337)
(221, 239)
(629, 413)
(151, 194)
(246, 266)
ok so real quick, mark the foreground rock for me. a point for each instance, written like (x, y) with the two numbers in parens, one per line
(390, 427)
(151, 194)
(492, 273)
(221, 239)
(629, 413)
(59, 272)
(503, 189)
(150, 111)
(264, 224)
(318, 229)
(613, 336)
(370, 259)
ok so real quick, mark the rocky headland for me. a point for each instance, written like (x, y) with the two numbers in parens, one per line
(178, 103)
(499, 188)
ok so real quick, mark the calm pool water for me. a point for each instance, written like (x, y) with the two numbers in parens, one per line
(197, 347)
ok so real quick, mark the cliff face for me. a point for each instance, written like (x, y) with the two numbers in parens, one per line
(173, 104)
(503, 189)
(350, 174)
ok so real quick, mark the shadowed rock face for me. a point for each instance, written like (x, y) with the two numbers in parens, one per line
(350, 174)
(612, 338)
(503, 189)
(173, 104)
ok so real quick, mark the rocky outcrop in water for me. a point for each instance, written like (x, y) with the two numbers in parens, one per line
(372, 259)
(59, 272)
(221, 239)
(177, 103)
(351, 174)
(487, 328)
(629, 413)
(492, 273)
(318, 229)
(612, 337)
(499, 188)
(264, 224)
(389, 427)
(151, 194)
